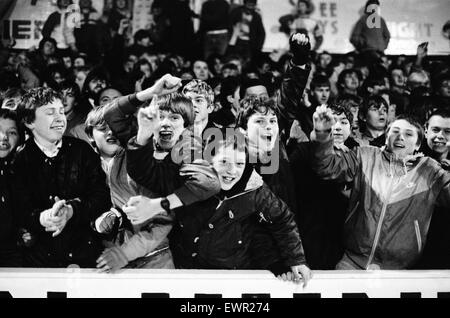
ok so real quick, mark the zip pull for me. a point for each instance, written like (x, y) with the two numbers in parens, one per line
(220, 203)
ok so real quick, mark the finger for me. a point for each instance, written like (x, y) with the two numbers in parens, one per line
(283, 277)
(57, 199)
(296, 276)
(133, 201)
(57, 232)
(289, 276)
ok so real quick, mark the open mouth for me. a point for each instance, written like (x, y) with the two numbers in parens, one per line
(228, 179)
(439, 144)
(266, 138)
(4, 146)
(58, 128)
(165, 135)
(111, 140)
(399, 145)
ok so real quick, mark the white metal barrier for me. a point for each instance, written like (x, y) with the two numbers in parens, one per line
(136, 283)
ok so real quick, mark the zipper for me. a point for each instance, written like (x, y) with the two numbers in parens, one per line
(352, 212)
(234, 196)
(419, 238)
(382, 215)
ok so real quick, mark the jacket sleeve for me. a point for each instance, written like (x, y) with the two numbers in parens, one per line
(386, 34)
(197, 180)
(280, 222)
(443, 198)
(95, 198)
(27, 216)
(292, 87)
(119, 117)
(145, 241)
(331, 165)
(52, 21)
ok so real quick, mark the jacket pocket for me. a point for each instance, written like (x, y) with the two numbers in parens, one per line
(418, 236)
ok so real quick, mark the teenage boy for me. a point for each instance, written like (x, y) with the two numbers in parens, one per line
(145, 246)
(321, 218)
(393, 196)
(60, 186)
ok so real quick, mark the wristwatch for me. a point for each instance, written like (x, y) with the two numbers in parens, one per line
(165, 204)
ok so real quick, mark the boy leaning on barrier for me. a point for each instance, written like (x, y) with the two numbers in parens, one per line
(393, 196)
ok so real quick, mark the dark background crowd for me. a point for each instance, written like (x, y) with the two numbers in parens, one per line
(93, 65)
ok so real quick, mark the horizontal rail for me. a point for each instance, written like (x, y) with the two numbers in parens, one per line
(137, 283)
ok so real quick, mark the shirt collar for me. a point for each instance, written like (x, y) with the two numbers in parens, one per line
(49, 153)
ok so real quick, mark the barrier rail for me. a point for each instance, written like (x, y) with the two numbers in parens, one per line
(136, 283)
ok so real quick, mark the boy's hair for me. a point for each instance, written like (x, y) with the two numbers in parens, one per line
(177, 104)
(33, 99)
(444, 113)
(200, 87)
(341, 108)
(47, 39)
(344, 73)
(230, 66)
(376, 101)
(319, 81)
(95, 119)
(12, 115)
(228, 87)
(252, 105)
(141, 34)
(350, 101)
(71, 86)
(251, 83)
(413, 121)
(237, 140)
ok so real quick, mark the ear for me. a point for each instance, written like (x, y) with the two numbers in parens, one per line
(230, 99)
(30, 126)
(210, 108)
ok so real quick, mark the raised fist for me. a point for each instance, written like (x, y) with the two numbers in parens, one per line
(300, 47)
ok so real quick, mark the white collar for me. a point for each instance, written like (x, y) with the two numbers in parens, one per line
(49, 153)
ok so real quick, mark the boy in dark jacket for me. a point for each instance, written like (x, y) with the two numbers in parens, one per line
(60, 186)
(9, 140)
(321, 217)
(220, 233)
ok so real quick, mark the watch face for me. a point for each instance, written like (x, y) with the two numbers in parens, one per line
(165, 204)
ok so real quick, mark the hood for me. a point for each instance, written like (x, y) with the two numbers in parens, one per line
(249, 181)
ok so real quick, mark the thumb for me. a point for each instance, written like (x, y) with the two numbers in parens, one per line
(133, 201)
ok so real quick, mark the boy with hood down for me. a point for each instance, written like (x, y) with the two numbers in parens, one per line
(393, 196)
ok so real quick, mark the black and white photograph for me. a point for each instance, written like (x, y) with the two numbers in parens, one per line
(243, 150)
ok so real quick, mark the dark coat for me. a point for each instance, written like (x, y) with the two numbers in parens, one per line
(257, 32)
(74, 174)
(219, 233)
(323, 206)
(9, 254)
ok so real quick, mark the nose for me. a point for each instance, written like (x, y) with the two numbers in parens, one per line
(3, 136)
(337, 126)
(165, 122)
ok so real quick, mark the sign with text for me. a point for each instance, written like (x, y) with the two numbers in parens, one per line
(410, 23)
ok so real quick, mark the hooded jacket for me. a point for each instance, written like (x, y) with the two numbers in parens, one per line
(219, 232)
(391, 203)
